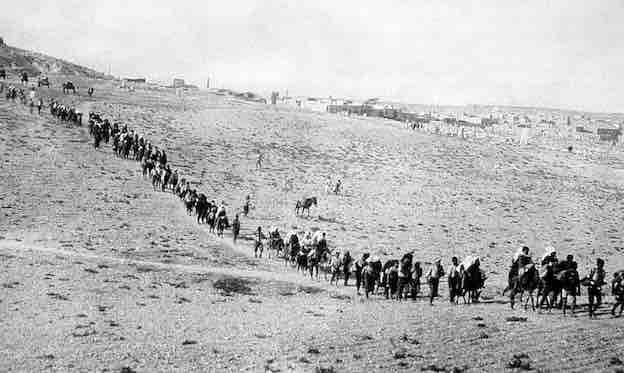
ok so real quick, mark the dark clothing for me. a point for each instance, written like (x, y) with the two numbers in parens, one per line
(359, 267)
(595, 299)
(393, 283)
(433, 288)
(346, 268)
(235, 229)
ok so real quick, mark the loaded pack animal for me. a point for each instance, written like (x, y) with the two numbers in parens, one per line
(276, 243)
(147, 167)
(472, 281)
(385, 278)
(371, 277)
(293, 249)
(69, 86)
(43, 81)
(173, 181)
(305, 204)
(405, 275)
(316, 256)
(302, 258)
(525, 280)
(189, 201)
(202, 208)
(222, 223)
(559, 283)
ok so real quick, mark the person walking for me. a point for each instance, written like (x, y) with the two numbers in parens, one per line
(359, 267)
(335, 264)
(594, 288)
(235, 228)
(259, 161)
(416, 275)
(454, 280)
(347, 261)
(246, 206)
(433, 278)
(258, 246)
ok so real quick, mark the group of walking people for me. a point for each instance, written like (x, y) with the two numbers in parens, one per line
(31, 99)
(397, 279)
(128, 144)
(557, 281)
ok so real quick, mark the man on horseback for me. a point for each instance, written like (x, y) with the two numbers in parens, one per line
(520, 260)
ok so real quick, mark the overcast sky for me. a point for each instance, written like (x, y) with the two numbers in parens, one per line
(567, 54)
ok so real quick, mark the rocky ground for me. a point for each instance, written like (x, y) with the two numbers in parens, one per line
(101, 273)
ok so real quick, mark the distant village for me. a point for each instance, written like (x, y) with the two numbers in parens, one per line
(602, 127)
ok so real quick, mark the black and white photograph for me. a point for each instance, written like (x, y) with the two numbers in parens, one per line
(312, 187)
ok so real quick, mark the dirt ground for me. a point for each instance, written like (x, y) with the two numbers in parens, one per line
(102, 274)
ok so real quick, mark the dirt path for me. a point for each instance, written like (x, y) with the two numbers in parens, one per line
(287, 276)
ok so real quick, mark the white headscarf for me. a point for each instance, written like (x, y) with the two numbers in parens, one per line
(549, 251)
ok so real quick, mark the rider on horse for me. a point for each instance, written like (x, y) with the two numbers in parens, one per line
(520, 260)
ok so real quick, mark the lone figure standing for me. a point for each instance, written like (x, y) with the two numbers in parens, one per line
(259, 161)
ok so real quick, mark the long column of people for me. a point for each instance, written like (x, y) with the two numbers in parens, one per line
(548, 282)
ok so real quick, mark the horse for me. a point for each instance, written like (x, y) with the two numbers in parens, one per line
(315, 257)
(302, 259)
(3, 74)
(24, 78)
(305, 205)
(276, 243)
(202, 207)
(189, 202)
(472, 282)
(384, 275)
(527, 280)
(293, 249)
(370, 276)
(69, 86)
(43, 81)
(570, 285)
(549, 287)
